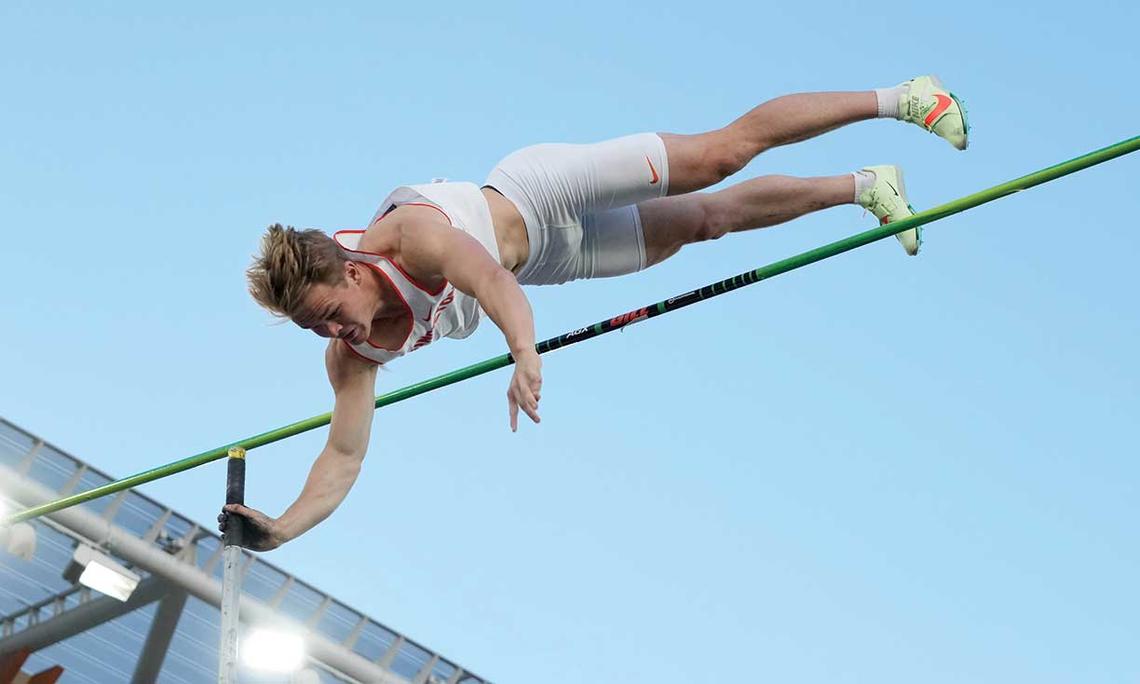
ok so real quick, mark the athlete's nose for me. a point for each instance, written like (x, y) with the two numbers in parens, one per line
(334, 328)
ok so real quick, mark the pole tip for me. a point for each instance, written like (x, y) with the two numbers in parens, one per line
(237, 452)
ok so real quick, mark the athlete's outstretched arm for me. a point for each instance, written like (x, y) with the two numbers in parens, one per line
(440, 250)
(336, 468)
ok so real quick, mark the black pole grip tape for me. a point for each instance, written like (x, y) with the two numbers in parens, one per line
(235, 481)
(235, 494)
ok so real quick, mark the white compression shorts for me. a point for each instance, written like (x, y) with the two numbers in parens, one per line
(579, 203)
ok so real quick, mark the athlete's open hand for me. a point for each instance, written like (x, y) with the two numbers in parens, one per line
(259, 533)
(526, 387)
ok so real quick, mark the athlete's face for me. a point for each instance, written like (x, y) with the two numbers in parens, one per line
(344, 311)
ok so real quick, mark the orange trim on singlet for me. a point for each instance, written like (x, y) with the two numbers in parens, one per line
(389, 259)
(411, 314)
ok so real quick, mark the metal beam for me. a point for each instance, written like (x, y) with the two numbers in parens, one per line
(390, 655)
(189, 578)
(54, 604)
(30, 457)
(162, 628)
(73, 481)
(83, 617)
(422, 676)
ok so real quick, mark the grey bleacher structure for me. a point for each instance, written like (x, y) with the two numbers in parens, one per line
(168, 630)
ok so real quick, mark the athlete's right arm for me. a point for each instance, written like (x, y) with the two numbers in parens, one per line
(336, 468)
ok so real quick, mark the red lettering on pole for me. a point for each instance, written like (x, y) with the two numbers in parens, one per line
(628, 318)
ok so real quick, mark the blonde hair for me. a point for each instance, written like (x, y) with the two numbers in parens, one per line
(290, 261)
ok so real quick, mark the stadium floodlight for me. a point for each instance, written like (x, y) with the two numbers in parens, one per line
(19, 540)
(100, 572)
(272, 651)
(306, 676)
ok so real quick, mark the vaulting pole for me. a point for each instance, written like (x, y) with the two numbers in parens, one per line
(580, 335)
(231, 572)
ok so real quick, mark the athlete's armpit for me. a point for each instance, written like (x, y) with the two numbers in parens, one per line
(347, 369)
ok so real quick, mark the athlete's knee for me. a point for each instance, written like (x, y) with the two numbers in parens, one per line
(711, 231)
(712, 224)
(724, 156)
(718, 218)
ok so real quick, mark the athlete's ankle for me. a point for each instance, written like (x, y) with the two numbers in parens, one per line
(888, 99)
(863, 181)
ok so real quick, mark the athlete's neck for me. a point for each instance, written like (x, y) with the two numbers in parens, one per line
(389, 302)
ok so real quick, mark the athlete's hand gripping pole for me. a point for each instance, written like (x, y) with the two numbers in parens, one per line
(231, 577)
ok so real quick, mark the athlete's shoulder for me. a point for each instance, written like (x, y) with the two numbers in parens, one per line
(345, 365)
(411, 214)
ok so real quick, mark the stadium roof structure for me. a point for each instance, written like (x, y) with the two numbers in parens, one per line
(168, 629)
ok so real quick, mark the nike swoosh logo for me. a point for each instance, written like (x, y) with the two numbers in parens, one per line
(943, 104)
(651, 168)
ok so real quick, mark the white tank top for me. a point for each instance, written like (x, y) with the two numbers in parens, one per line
(444, 311)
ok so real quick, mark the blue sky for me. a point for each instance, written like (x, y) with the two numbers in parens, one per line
(872, 469)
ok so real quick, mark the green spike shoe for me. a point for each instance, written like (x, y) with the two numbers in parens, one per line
(886, 199)
(926, 103)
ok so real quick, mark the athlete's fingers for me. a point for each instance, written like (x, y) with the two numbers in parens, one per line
(526, 398)
(514, 407)
(227, 509)
(236, 509)
(530, 405)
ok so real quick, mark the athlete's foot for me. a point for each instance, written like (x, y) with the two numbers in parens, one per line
(886, 199)
(924, 102)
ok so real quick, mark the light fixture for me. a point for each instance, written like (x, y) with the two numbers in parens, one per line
(272, 651)
(100, 572)
(306, 676)
(19, 540)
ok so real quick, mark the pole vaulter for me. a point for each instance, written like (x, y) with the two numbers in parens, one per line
(615, 323)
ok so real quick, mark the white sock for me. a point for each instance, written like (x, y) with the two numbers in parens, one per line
(889, 101)
(863, 182)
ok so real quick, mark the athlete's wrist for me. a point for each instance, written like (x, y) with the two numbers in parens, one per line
(282, 531)
(524, 352)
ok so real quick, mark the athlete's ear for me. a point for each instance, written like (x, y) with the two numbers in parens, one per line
(352, 272)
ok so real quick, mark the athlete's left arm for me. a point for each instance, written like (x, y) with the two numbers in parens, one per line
(439, 250)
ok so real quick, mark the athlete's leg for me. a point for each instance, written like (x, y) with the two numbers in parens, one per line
(670, 223)
(698, 161)
(555, 187)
